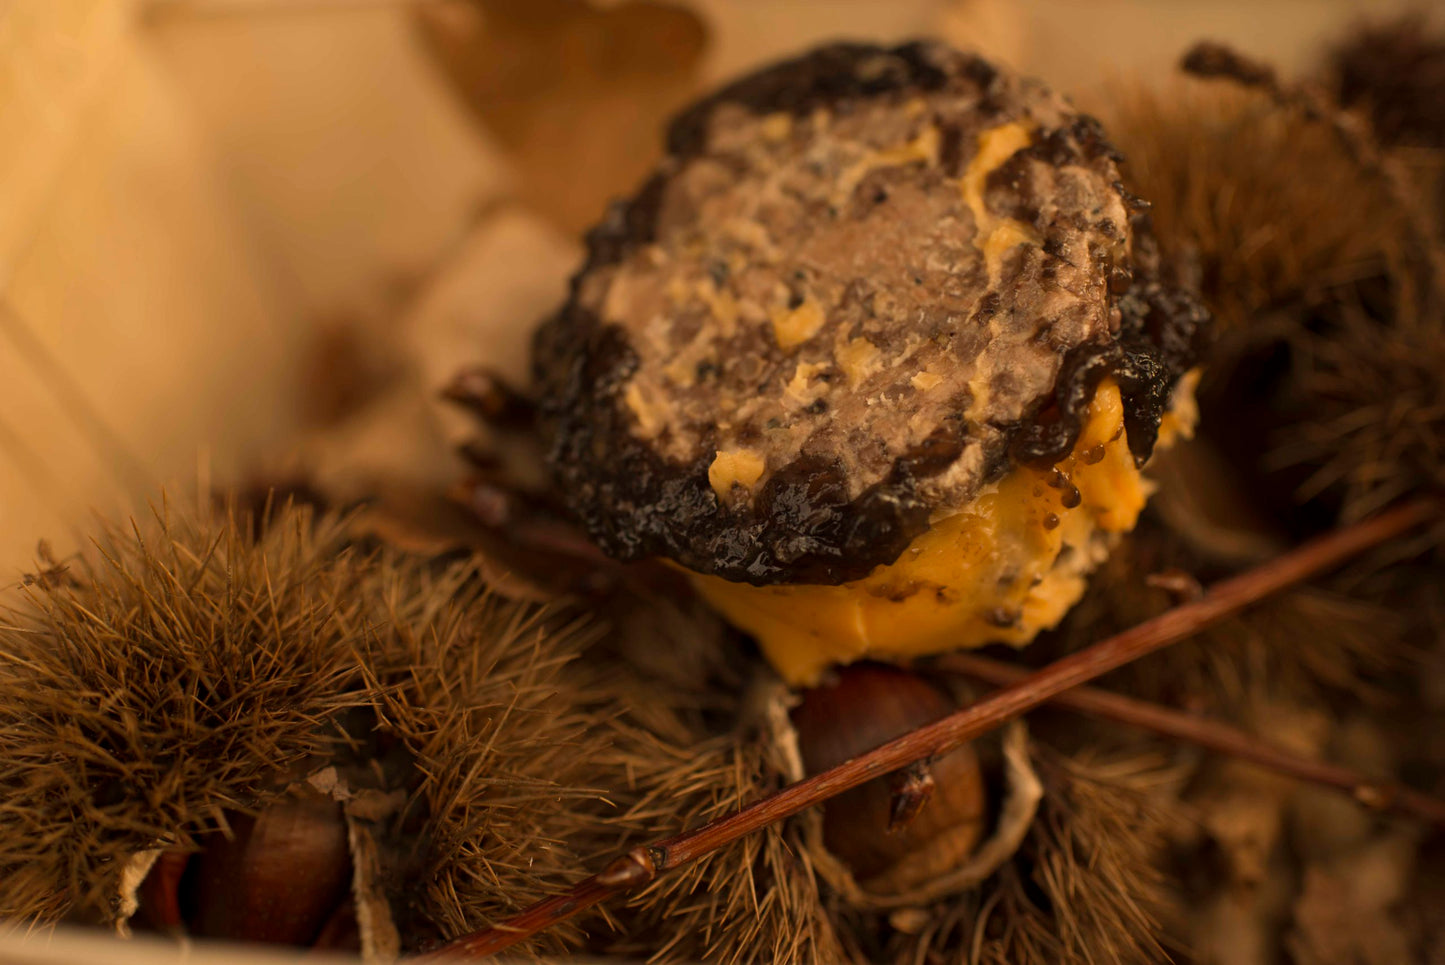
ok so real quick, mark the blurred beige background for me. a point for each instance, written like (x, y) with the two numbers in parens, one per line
(243, 238)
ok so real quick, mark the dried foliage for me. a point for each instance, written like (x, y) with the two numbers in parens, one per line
(177, 672)
(557, 80)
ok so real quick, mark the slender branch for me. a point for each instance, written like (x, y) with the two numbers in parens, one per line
(1226, 598)
(1382, 795)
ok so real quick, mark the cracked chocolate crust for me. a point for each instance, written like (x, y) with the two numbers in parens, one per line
(882, 276)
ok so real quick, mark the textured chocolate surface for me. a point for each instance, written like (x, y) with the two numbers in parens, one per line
(878, 275)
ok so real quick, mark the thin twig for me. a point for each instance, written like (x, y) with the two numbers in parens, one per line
(642, 865)
(1215, 735)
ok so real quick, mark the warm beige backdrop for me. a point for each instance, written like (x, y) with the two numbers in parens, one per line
(254, 235)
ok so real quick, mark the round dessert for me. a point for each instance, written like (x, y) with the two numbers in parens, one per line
(876, 354)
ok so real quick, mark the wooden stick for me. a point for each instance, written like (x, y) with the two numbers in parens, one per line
(1215, 735)
(1226, 598)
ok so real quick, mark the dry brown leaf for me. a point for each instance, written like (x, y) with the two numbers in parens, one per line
(574, 92)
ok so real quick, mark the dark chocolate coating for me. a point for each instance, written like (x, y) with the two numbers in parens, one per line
(836, 184)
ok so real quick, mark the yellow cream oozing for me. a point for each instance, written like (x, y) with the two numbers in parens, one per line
(923, 148)
(1005, 567)
(996, 236)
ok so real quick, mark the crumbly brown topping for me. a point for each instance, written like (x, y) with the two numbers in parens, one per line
(828, 315)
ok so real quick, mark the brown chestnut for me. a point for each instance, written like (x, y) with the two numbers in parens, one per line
(277, 878)
(931, 816)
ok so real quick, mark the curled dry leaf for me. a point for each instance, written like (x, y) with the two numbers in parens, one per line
(556, 80)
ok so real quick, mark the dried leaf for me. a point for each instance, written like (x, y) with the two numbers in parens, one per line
(558, 80)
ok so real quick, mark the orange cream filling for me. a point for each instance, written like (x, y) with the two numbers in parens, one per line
(1005, 567)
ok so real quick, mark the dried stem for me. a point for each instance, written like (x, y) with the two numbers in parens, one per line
(1226, 598)
(1215, 735)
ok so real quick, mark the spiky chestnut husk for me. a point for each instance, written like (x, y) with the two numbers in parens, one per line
(1310, 644)
(758, 900)
(1323, 397)
(1395, 70)
(1313, 250)
(194, 666)
(698, 748)
(652, 709)
(782, 896)
(1366, 408)
(508, 750)
(1101, 831)
(1262, 202)
(666, 693)
(177, 672)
